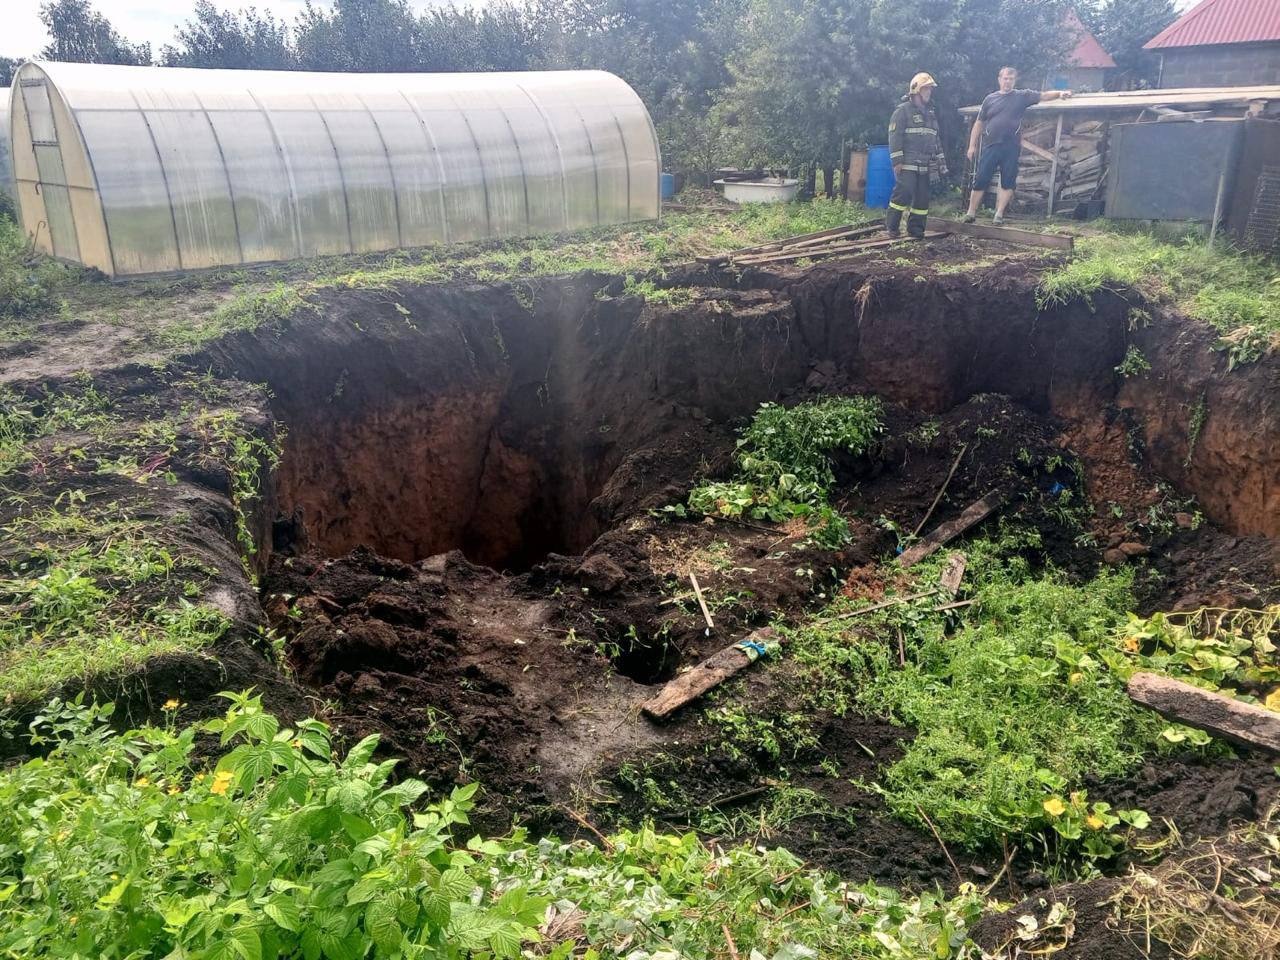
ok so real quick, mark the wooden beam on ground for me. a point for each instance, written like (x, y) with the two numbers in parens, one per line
(712, 672)
(988, 231)
(779, 244)
(843, 250)
(1242, 723)
(974, 514)
(954, 573)
(883, 604)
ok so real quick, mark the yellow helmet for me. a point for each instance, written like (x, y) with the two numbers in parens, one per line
(920, 81)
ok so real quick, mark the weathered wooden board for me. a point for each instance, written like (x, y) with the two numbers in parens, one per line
(987, 231)
(1242, 723)
(973, 514)
(712, 672)
(844, 250)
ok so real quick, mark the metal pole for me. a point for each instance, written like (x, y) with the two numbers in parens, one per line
(1053, 171)
(1217, 204)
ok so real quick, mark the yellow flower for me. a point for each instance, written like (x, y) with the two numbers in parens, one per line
(142, 782)
(296, 744)
(72, 920)
(221, 782)
(1132, 644)
(171, 705)
(200, 777)
(1273, 700)
(1054, 807)
(173, 791)
(1075, 678)
(1094, 821)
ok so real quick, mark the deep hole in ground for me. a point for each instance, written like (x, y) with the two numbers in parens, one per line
(438, 436)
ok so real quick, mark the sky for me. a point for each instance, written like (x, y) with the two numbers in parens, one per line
(148, 20)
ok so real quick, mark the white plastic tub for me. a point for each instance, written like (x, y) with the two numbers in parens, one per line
(773, 190)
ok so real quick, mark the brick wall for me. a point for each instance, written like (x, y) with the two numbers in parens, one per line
(1232, 65)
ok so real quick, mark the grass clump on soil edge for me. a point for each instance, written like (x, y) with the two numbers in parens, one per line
(286, 849)
(1238, 294)
(88, 589)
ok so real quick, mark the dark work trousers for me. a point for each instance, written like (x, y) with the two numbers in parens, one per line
(910, 196)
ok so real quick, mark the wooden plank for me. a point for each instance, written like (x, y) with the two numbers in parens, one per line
(987, 231)
(778, 244)
(974, 514)
(1038, 151)
(845, 250)
(697, 590)
(710, 673)
(1241, 723)
(954, 573)
(1053, 173)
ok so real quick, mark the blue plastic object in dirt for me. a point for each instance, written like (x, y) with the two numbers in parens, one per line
(668, 186)
(880, 177)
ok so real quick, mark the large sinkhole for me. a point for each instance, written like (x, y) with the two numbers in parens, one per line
(506, 421)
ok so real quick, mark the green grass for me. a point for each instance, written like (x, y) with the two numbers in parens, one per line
(84, 591)
(92, 595)
(1235, 293)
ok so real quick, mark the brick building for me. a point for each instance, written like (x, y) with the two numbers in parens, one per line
(1221, 43)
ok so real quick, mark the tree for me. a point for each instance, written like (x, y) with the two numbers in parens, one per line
(1123, 26)
(244, 40)
(79, 34)
(8, 67)
(810, 73)
(359, 35)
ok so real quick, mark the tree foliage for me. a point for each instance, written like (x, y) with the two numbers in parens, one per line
(79, 34)
(756, 82)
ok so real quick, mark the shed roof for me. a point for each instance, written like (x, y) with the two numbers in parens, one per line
(1088, 51)
(1221, 21)
(1186, 97)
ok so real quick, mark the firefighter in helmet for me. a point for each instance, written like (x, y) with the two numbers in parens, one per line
(914, 148)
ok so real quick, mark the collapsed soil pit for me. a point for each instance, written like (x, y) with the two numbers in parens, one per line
(455, 430)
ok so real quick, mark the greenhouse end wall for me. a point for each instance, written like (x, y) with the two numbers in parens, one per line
(142, 170)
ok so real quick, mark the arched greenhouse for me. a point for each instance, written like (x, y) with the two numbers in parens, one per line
(139, 170)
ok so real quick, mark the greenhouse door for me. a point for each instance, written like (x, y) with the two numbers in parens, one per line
(52, 185)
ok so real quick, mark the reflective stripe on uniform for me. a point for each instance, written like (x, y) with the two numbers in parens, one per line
(896, 153)
(914, 167)
(921, 130)
(920, 213)
(898, 206)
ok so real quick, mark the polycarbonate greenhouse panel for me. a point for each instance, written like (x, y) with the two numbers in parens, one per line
(190, 169)
(6, 163)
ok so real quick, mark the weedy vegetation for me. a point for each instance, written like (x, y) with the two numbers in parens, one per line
(1233, 292)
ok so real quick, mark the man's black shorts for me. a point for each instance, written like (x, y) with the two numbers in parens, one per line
(998, 156)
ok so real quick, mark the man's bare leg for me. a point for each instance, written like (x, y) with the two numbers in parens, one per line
(1003, 197)
(975, 198)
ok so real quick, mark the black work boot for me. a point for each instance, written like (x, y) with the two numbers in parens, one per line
(915, 226)
(893, 222)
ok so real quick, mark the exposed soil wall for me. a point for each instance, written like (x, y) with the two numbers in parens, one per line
(489, 418)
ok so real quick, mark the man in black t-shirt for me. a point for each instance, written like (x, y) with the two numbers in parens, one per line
(998, 129)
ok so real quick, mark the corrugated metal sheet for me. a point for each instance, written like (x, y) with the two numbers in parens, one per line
(1188, 98)
(1221, 21)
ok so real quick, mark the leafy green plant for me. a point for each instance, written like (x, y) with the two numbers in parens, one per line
(1134, 363)
(786, 467)
(284, 849)
(29, 283)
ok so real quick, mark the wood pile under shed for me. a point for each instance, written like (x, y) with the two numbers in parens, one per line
(1080, 154)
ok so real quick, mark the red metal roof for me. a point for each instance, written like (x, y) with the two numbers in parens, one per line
(1088, 51)
(1221, 21)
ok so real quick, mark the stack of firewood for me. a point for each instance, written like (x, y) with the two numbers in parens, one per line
(1081, 163)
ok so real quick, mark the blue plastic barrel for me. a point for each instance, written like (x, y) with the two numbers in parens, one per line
(669, 185)
(880, 178)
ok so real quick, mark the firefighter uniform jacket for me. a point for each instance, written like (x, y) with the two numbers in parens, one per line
(913, 138)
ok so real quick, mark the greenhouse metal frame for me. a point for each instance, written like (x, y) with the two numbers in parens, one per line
(147, 170)
(6, 168)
